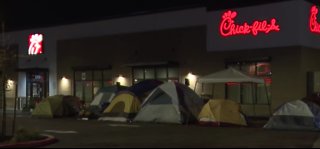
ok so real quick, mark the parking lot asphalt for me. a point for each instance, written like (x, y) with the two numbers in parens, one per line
(77, 133)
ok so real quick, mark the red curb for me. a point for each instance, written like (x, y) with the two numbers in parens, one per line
(31, 144)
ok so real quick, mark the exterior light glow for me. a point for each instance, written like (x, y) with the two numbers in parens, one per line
(122, 80)
(192, 79)
(9, 85)
(35, 44)
(229, 28)
(65, 86)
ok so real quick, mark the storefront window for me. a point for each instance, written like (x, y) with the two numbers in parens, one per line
(251, 93)
(88, 94)
(88, 82)
(173, 72)
(162, 73)
(138, 74)
(248, 93)
(149, 73)
(233, 90)
(79, 89)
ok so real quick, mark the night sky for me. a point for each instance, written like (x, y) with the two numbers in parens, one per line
(26, 14)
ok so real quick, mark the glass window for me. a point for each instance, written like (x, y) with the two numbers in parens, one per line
(107, 75)
(233, 90)
(97, 75)
(108, 83)
(78, 75)
(149, 73)
(248, 93)
(249, 69)
(96, 86)
(251, 93)
(262, 95)
(88, 82)
(79, 89)
(173, 72)
(138, 73)
(83, 75)
(88, 95)
(161, 73)
(88, 75)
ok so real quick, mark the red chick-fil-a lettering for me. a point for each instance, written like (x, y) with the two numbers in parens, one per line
(314, 25)
(229, 28)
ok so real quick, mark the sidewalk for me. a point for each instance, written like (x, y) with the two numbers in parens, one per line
(10, 113)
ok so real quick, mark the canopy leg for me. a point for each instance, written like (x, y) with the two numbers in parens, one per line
(268, 100)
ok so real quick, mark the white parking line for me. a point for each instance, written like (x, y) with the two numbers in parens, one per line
(61, 132)
(122, 125)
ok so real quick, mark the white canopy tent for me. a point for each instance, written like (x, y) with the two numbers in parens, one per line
(228, 75)
(231, 75)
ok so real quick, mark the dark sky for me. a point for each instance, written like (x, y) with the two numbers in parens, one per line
(25, 14)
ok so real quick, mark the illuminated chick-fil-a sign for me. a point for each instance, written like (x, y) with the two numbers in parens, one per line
(313, 23)
(229, 28)
(35, 44)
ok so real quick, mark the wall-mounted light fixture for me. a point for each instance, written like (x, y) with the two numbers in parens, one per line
(120, 80)
(10, 85)
(190, 80)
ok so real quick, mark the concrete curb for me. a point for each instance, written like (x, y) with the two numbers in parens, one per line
(32, 144)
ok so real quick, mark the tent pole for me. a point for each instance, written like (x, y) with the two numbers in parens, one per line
(202, 89)
(253, 99)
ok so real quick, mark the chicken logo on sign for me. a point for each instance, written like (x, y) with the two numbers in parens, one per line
(35, 44)
(313, 23)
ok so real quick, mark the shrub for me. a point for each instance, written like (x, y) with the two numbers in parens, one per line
(22, 135)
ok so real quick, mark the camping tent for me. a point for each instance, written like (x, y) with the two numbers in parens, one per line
(170, 103)
(143, 88)
(123, 108)
(104, 97)
(231, 75)
(57, 106)
(296, 114)
(222, 113)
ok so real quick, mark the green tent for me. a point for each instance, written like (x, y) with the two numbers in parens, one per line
(57, 106)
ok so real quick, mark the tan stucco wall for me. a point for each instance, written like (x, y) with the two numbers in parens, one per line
(188, 47)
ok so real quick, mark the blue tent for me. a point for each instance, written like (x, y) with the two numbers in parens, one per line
(143, 88)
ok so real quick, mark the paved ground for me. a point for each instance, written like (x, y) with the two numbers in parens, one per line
(74, 133)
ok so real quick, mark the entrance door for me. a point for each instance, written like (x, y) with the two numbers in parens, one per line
(37, 87)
